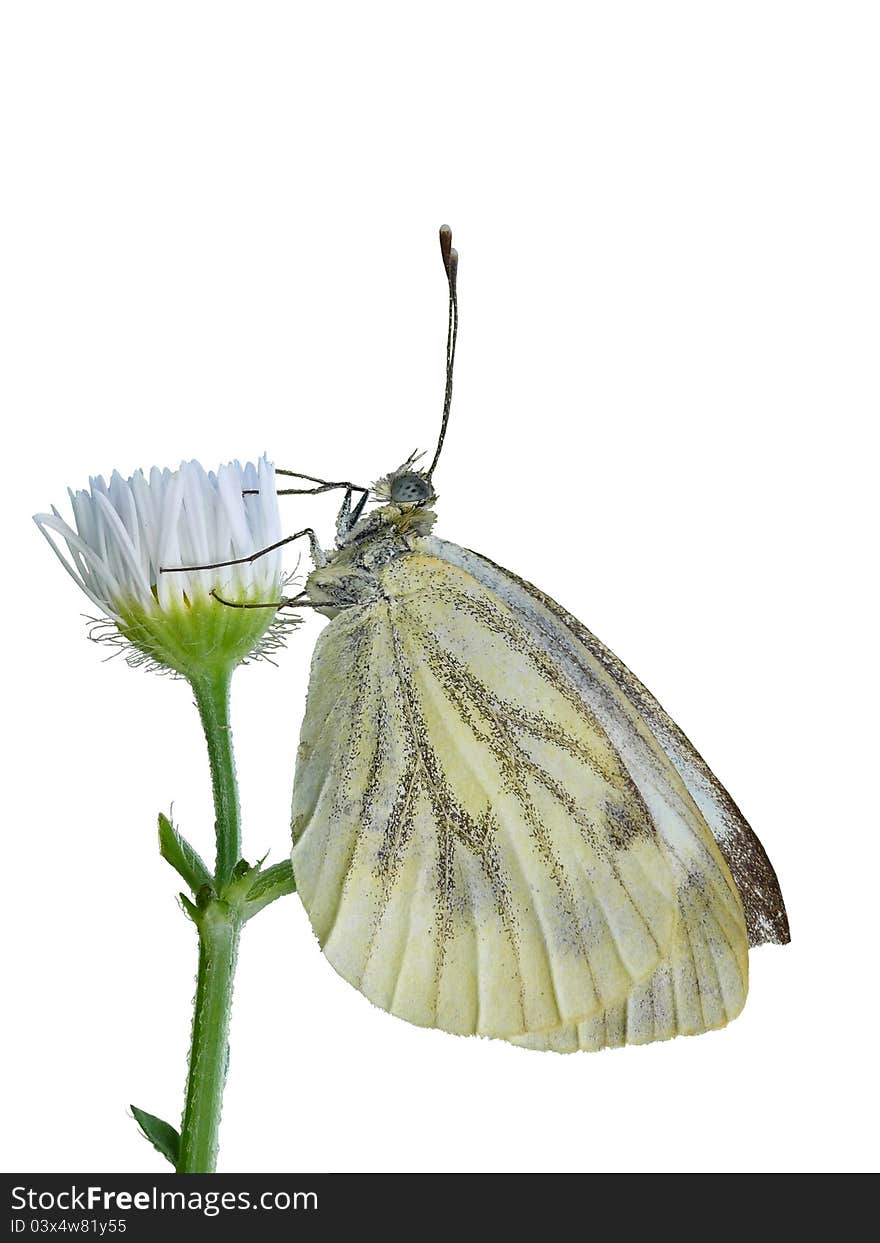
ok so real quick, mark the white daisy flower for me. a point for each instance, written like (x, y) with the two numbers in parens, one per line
(129, 535)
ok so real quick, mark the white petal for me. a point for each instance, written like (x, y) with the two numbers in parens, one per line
(127, 529)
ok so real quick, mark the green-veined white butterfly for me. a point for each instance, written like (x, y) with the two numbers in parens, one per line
(497, 829)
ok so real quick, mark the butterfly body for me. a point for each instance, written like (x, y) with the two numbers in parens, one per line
(488, 836)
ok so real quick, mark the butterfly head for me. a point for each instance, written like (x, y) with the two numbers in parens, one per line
(406, 485)
(411, 489)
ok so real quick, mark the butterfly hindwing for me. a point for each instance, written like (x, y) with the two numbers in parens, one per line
(479, 850)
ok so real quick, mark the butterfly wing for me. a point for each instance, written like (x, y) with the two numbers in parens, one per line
(589, 663)
(474, 848)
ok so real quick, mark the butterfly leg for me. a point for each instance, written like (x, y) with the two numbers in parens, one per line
(318, 555)
(296, 602)
(347, 517)
(321, 485)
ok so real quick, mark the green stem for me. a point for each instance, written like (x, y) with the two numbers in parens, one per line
(219, 931)
(212, 700)
(219, 925)
(223, 903)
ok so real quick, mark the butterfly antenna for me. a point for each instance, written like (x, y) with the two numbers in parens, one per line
(450, 263)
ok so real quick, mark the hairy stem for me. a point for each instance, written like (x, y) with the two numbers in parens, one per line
(219, 925)
(212, 700)
(219, 930)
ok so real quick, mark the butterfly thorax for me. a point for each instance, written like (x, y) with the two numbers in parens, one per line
(351, 575)
(388, 522)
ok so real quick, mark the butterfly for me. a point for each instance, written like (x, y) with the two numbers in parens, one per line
(497, 830)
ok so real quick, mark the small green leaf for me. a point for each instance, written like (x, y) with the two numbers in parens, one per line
(274, 883)
(191, 910)
(161, 1135)
(178, 852)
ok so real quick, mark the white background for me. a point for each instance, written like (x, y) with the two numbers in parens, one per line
(219, 237)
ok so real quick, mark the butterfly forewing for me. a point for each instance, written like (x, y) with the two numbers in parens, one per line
(585, 659)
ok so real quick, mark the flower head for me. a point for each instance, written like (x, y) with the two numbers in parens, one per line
(130, 535)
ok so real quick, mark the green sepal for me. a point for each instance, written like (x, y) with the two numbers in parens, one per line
(275, 882)
(201, 637)
(178, 852)
(161, 1135)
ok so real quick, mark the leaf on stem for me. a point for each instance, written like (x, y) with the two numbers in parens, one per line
(161, 1135)
(274, 883)
(191, 910)
(178, 852)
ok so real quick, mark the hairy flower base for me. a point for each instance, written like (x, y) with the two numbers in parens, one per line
(198, 636)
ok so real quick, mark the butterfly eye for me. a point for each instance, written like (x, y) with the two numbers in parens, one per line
(410, 489)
